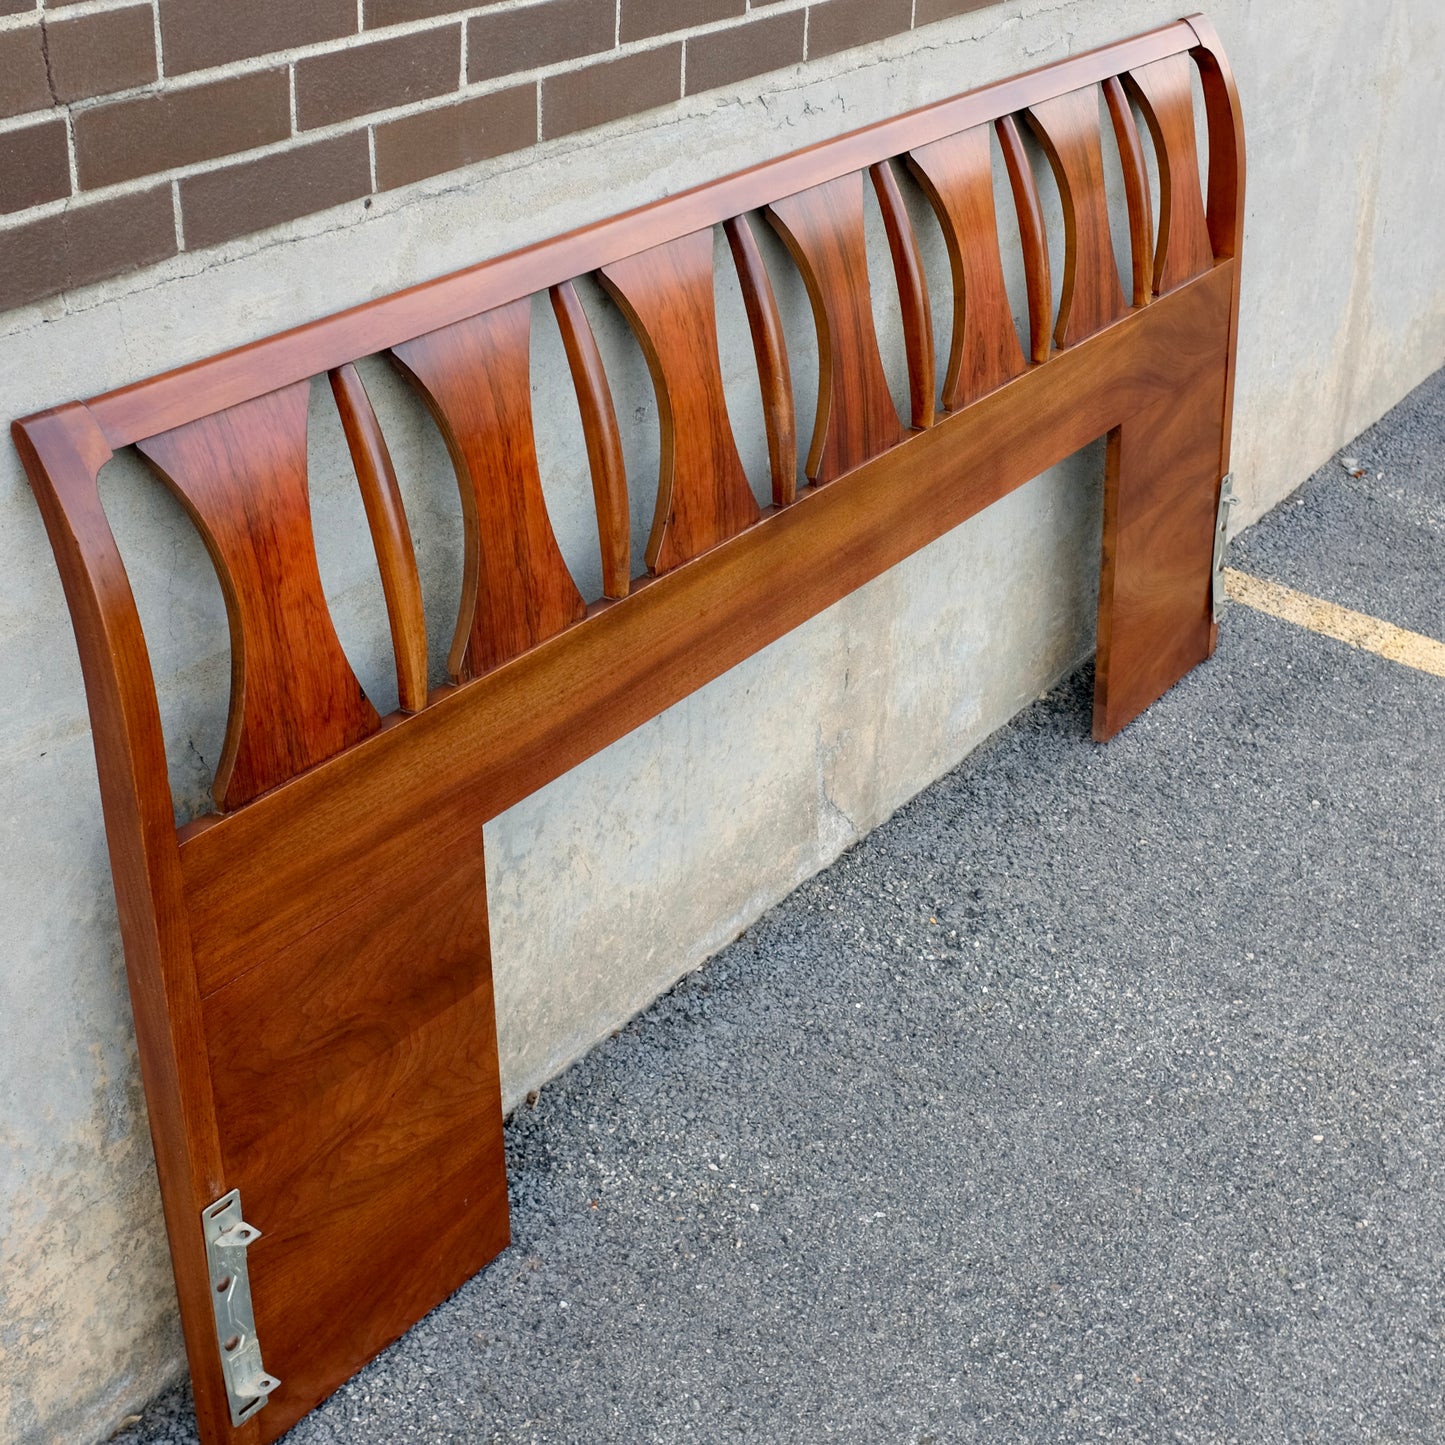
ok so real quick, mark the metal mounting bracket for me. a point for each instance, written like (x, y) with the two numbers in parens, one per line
(248, 1386)
(1227, 499)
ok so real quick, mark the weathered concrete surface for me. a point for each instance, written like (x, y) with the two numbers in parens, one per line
(627, 873)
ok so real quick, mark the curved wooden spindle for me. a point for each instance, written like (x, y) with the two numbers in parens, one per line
(1166, 96)
(1038, 274)
(604, 441)
(912, 294)
(703, 495)
(1136, 189)
(956, 174)
(390, 536)
(779, 415)
(823, 230)
(1068, 129)
(241, 474)
(475, 378)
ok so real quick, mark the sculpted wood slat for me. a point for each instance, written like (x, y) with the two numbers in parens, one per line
(604, 441)
(1136, 190)
(779, 415)
(703, 496)
(957, 176)
(1032, 237)
(516, 589)
(386, 516)
(241, 475)
(310, 970)
(1167, 100)
(1068, 130)
(912, 294)
(823, 229)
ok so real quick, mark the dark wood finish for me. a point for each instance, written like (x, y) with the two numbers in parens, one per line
(775, 378)
(1033, 239)
(1166, 97)
(1136, 190)
(310, 968)
(823, 230)
(1068, 129)
(476, 381)
(956, 174)
(703, 496)
(913, 300)
(604, 440)
(386, 516)
(241, 475)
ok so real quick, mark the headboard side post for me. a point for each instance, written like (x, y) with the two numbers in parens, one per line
(63, 451)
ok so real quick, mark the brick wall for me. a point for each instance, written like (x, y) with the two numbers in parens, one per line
(131, 131)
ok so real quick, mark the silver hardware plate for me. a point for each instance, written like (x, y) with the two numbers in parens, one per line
(1227, 499)
(248, 1386)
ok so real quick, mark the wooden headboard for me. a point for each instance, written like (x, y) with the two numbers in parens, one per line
(310, 963)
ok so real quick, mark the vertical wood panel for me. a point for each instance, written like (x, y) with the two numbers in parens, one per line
(1032, 237)
(913, 300)
(1136, 190)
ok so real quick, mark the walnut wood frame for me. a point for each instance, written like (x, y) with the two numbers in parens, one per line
(310, 965)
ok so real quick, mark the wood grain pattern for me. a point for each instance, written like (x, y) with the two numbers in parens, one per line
(1032, 238)
(241, 475)
(516, 590)
(913, 300)
(703, 496)
(603, 439)
(774, 376)
(1166, 97)
(956, 174)
(856, 418)
(1068, 129)
(390, 535)
(1136, 190)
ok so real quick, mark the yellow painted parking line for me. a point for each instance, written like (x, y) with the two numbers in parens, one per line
(1358, 629)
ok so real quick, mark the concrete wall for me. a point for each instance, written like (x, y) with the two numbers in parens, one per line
(622, 876)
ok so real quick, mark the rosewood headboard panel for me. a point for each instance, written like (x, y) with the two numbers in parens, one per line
(310, 963)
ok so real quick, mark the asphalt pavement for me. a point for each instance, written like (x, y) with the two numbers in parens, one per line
(1098, 1095)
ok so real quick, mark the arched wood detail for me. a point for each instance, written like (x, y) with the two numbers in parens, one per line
(703, 495)
(604, 440)
(1136, 190)
(1068, 129)
(823, 229)
(1165, 94)
(516, 590)
(956, 174)
(390, 535)
(241, 475)
(913, 300)
(774, 376)
(1033, 239)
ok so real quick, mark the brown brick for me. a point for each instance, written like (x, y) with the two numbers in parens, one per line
(23, 83)
(841, 24)
(927, 11)
(240, 199)
(199, 123)
(641, 18)
(98, 54)
(727, 56)
(455, 135)
(34, 165)
(364, 78)
(577, 99)
(16, 7)
(85, 243)
(398, 12)
(199, 33)
(517, 40)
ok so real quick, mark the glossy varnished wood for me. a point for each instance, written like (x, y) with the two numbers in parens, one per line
(1068, 129)
(476, 381)
(241, 474)
(913, 302)
(856, 418)
(956, 174)
(1038, 276)
(1136, 190)
(703, 496)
